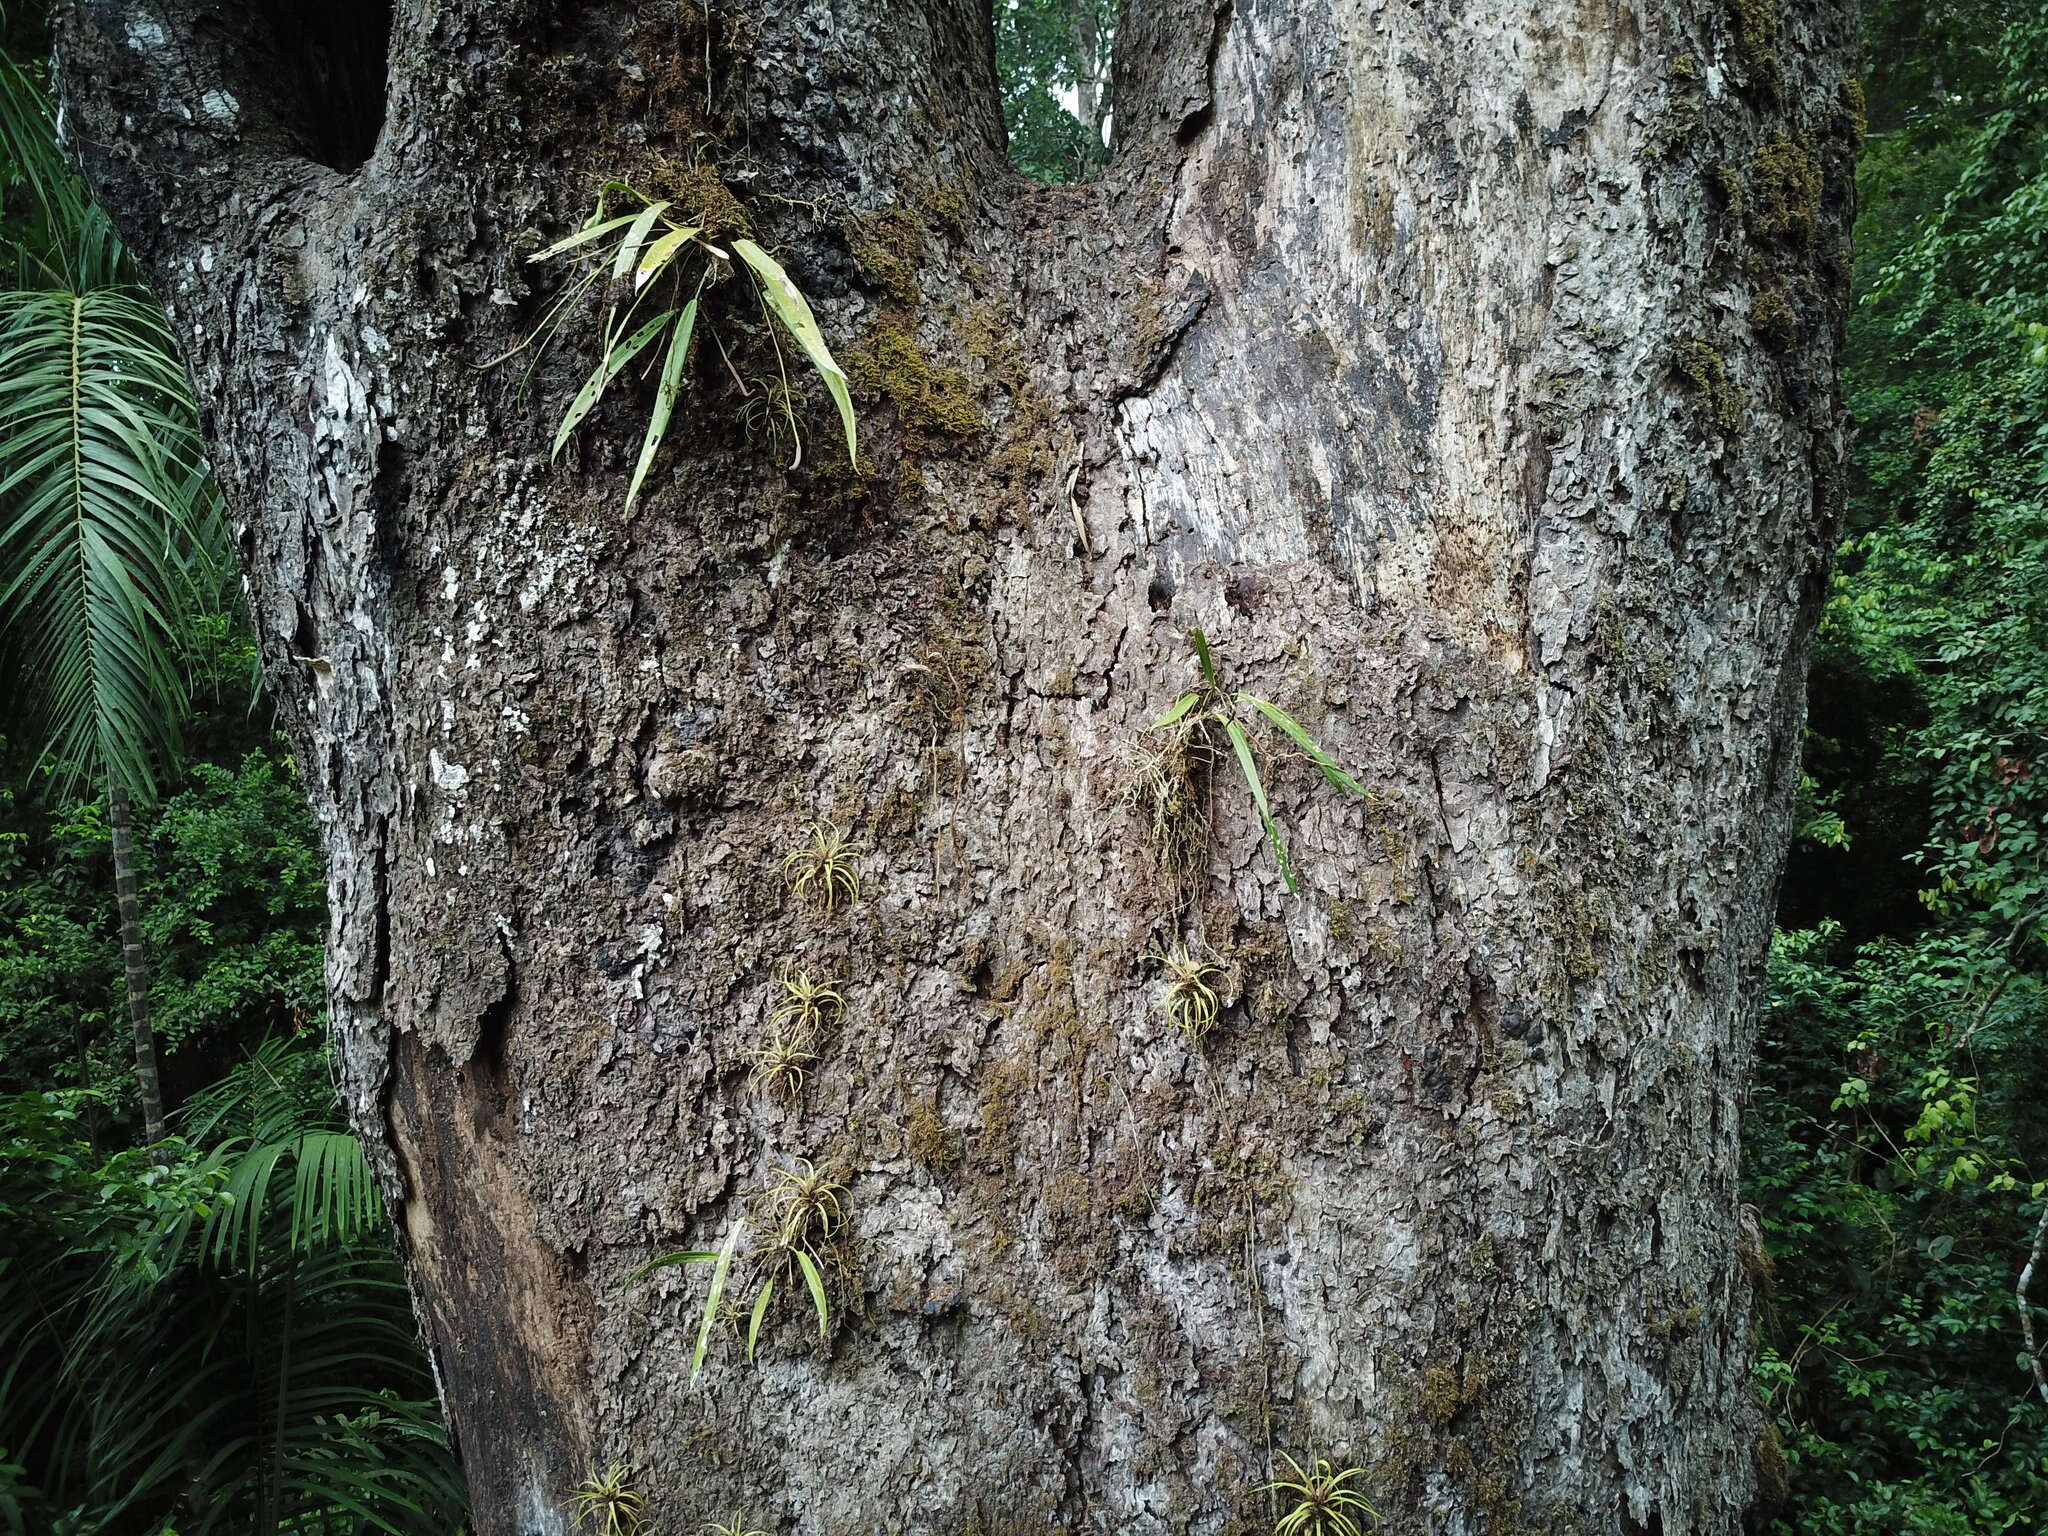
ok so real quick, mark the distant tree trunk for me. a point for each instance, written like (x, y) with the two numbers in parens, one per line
(1464, 371)
(135, 966)
(1087, 41)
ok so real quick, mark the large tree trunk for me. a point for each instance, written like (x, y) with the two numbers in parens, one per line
(1463, 370)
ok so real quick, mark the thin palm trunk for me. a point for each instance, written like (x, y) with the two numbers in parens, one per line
(136, 963)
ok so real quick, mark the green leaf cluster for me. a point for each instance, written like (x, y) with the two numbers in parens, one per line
(648, 254)
(1897, 1137)
(1211, 707)
(222, 1339)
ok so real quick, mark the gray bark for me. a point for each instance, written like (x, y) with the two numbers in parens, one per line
(1464, 371)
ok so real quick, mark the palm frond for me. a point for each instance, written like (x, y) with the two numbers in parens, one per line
(241, 1346)
(104, 520)
(59, 236)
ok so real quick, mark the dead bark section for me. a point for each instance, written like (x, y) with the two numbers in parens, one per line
(1465, 373)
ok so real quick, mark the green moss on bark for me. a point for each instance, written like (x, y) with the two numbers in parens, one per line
(889, 363)
(1704, 368)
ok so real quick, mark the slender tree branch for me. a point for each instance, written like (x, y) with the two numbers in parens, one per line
(2019, 1292)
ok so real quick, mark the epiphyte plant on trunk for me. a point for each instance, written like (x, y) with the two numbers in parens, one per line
(1210, 707)
(800, 1018)
(608, 1504)
(822, 872)
(1321, 1503)
(1190, 1002)
(804, 1209)
(644, 253)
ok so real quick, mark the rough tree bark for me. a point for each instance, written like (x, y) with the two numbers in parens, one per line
(1464, 370)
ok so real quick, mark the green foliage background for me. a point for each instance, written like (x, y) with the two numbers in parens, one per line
(1897, 1136)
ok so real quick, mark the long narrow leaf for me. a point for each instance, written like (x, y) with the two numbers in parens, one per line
(608, 367)
(760, 1311)
(815, 1282)
(670, 1261)
(789, 306)
(1331, 770)
(712, 1298)
(635, 237)
(584, 236)
(661, 252)
(665, 397)
(1250, 764)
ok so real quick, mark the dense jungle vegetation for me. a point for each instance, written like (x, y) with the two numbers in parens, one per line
(212, 1334)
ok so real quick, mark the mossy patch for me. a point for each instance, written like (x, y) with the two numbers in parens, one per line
(931, 1145)
(1855, 111)
(1775, 321)
(888, 247)
(1734, 188)
(1756, 32)
(1773, 1476)
(1025, 457)
(948, 208)
(1680, 118)
(1703, 367)
(888, 362)
(700, 193)
(1445, 1393)
(1785, 191)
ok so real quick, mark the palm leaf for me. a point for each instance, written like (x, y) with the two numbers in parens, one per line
(67, 240)
(258, 1365)
(103, 546)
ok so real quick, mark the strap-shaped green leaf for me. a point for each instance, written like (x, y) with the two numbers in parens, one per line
(760, 1311)
(1331, 771)
(665, 397)
(670, 1261)
(790, 307)
(1208, 660)
(1241, 744)
(661, 252)
(1181, 706)
(711, 1300)
(636, 235)
(607, 369)
(584, 236)
(815, 1283)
